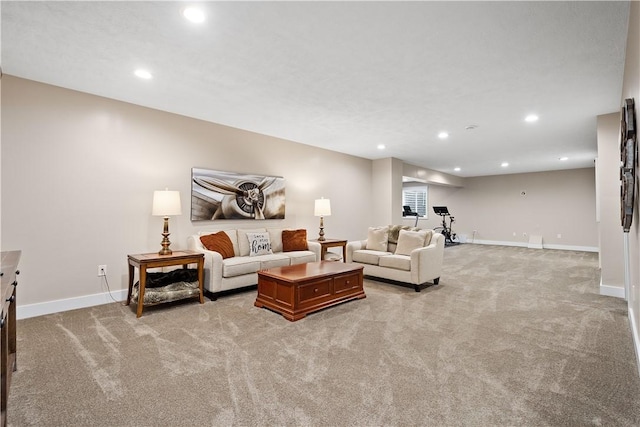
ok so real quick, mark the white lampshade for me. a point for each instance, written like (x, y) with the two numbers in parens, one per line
(322, 207)
(166, 203)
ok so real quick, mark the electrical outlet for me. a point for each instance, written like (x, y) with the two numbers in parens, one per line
(514, 234)
(102, 270)
(559, 236)
(524, 234)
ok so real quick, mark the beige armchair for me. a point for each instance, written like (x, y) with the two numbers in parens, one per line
(401, 254)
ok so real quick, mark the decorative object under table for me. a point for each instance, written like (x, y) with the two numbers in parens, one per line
(296, 290)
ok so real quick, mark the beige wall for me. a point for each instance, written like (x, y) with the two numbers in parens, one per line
(608, 207)
(557, 202)
(78, 173)
(430, 176)
(382, 198)
(631, 89)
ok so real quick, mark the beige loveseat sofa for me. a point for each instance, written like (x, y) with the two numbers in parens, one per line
(400, 253)
(237, 266)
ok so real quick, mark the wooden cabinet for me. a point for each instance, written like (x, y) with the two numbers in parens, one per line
(8, 284)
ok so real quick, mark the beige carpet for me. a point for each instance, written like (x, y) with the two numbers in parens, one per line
(510, 337)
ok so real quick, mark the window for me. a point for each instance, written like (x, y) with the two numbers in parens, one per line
(416, 197)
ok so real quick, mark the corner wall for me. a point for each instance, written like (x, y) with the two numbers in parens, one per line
(609, 228)
(631, 89)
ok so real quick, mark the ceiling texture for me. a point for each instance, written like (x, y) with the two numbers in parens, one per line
(349, 76)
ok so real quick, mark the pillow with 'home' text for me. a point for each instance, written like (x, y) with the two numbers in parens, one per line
(259, 244)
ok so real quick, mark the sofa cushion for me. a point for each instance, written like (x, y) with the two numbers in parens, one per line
(409, 241)
(243, 241)
(259, 244)
(233, 235)
(394, 231)
(239, 265)
(218, 242)
(398, 262)
(275, 235)
(301, 257)
(294, 240)
(272, 260)
(377, 238)
(369, 257)
(427, 240)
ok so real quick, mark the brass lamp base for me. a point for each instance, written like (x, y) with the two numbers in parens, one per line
(165, 239)
(321, 234)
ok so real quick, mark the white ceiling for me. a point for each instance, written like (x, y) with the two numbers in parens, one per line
(348, 76)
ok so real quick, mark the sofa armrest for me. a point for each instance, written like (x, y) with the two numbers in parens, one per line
(212, 264)
(353, 246)
(316, 248)
(426, 262)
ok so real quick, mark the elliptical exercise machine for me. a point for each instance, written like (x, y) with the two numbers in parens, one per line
(447, 232)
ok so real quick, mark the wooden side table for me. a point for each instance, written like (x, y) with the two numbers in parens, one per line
(332, 243)
(154, 260)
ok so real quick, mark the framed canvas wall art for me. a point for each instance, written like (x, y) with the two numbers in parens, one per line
(228, 195)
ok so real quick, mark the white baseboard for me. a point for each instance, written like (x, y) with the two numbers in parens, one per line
(544, 245)
(612, 291)
(57, 306)
(634, 335)
(573, 248)
(498, 243)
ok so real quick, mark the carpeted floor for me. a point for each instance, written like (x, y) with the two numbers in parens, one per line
(510, 337)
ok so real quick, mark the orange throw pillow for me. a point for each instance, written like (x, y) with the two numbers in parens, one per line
(294, 240)
(218, 242)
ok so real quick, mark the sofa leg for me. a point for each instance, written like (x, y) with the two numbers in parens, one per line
(211, 295)
(436, 280)
(416, 287)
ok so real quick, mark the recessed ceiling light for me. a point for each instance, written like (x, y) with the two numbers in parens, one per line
(456, 169)
(143, 74)
(193, 14)
(381, 147)
(443, 135)
(563, 159)
(504, 164)
(531, 118)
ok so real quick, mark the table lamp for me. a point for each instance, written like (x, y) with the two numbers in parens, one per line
(166, 203)
(322, 209)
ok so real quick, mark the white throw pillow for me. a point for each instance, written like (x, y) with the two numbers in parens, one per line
(259, 244)
(377, 238)
(410, 240)
(243, 240)
(275, 235)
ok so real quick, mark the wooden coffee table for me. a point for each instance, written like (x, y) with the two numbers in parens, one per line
(296, 290)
